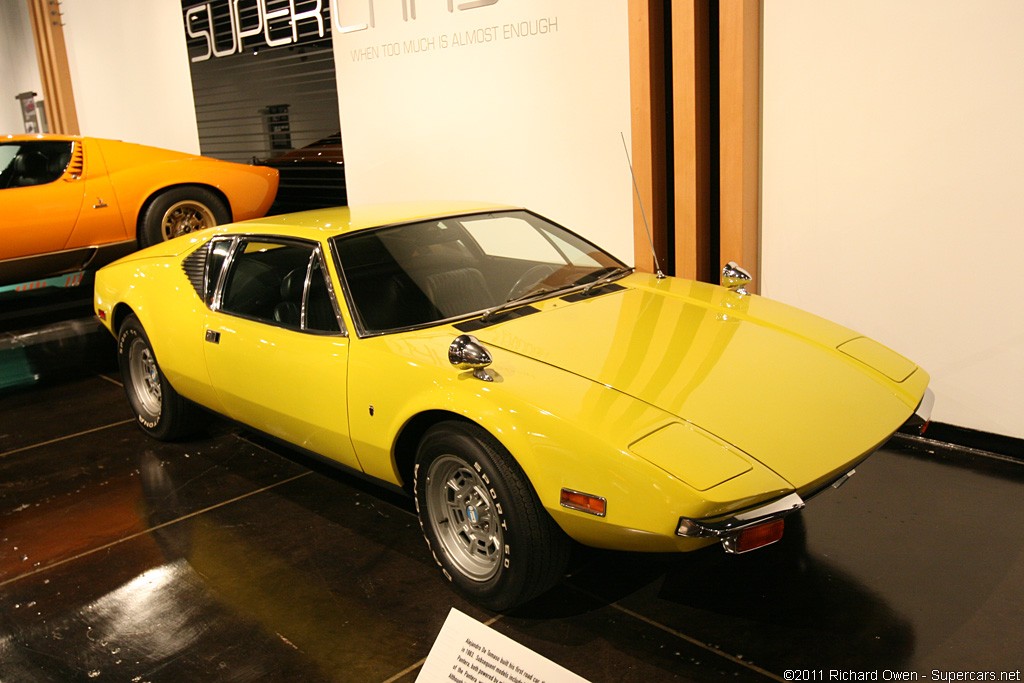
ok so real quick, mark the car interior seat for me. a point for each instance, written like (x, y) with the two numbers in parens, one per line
(289, 311)
(31, 168)
(458, 291)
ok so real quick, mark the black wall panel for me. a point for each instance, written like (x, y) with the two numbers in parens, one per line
(264, 85)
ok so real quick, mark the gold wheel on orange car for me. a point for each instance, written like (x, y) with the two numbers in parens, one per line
(184, 217)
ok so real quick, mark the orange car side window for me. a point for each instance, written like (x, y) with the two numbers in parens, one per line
(36, 162)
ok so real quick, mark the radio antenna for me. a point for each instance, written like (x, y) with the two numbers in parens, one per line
(643, 214)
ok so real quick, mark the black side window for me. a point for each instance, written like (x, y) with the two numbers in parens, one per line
(320, 315)
(36, 162)
(267, 281)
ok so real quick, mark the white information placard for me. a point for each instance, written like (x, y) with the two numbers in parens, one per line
(467, 651)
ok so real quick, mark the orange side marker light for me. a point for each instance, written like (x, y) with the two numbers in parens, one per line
(584, 502)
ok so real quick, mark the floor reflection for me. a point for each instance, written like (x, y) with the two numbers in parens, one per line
(791, 606)
(780, 606)
(225, 589)
(164, 617)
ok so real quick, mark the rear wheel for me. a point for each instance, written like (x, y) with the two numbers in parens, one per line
(482, 520)
(179, 211)
(159, 410)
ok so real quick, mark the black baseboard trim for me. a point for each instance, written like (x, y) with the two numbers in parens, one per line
(950, 437)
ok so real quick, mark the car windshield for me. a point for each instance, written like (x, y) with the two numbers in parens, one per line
(420, 273)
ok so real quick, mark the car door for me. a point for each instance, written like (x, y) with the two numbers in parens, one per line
(100, 221)
(40, 197)
(276, 350)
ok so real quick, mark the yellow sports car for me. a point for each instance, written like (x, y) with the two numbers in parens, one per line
(69, 203)
(522, 384)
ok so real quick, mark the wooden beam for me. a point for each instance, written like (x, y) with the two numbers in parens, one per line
(739, 97)
(691, 144)
(51, 52)
(647, 114)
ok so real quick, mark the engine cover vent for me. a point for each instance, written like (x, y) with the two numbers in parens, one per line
(194, 266)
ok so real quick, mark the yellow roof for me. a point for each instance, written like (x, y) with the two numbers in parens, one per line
(344, 219)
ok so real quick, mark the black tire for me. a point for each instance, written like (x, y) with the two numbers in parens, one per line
(485, 526)
(179, 211)
(159, 410)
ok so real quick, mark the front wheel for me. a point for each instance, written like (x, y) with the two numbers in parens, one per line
(159, 410)
(482, 520)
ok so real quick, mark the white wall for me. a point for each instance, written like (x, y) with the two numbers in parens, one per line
(130, 71)
(893, 185)
(19, 69)
(532, 120)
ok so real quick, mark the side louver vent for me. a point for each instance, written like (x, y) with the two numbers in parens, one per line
(194, 266)
(77, 166)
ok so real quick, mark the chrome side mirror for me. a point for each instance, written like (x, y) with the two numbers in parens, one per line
(736, 278)
(467, 353)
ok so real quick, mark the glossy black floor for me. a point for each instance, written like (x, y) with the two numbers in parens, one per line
(231, 559)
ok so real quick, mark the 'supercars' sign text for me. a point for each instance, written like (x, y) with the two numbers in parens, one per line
(227, 27)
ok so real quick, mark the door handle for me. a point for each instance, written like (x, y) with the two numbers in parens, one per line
(213, 336)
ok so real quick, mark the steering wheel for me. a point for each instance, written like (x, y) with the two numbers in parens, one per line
(528, 279)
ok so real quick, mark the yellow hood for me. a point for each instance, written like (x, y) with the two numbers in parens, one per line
(763, 376)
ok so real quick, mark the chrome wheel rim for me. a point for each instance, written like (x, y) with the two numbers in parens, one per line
(185, 217)
(463, 517)
(145, 377)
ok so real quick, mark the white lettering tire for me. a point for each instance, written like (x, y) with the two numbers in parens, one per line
(482, 519)
(158, 408)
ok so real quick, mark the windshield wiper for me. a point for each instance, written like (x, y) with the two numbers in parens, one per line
(532, 294)
(606, 278)
(613, 274)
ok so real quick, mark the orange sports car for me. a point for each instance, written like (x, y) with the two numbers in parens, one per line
(70, 203)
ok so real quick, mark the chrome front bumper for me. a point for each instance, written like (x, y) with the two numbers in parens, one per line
(726, 529)
(918, 422)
